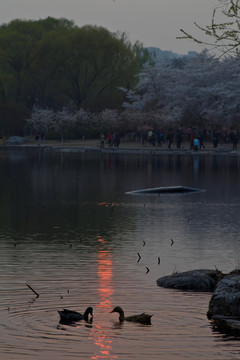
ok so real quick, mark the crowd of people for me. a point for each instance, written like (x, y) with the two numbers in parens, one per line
(112, 139)
(158, 137)
(194, 137)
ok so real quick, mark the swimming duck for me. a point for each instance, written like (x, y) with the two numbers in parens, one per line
(69, 316)
(141, 318)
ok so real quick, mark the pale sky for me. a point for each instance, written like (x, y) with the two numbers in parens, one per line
(153, 22)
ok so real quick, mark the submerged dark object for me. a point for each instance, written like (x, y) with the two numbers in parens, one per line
(165, 189)
(70, 316)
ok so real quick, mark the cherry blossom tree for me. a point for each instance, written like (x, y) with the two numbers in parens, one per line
(41, 119)
(206, 88)
(63, 121)
(48, 120)
(203, 92)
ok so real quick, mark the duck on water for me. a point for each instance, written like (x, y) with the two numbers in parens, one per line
(70, 316)
(140, 318)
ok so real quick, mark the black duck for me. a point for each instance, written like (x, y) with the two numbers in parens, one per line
(69, 316)
(141, 318)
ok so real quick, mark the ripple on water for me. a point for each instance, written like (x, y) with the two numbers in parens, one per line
(75, 253)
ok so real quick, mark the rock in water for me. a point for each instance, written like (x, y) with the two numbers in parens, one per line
(196, 280)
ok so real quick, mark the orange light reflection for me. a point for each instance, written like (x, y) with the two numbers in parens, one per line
(101, 336)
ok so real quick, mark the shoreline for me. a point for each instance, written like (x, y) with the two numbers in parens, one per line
(129, 147)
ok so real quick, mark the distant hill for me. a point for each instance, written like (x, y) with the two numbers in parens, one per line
(165, 56)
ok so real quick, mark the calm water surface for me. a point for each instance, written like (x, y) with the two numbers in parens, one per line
(68, 229)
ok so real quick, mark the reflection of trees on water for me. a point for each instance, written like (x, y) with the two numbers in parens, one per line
(42, 191)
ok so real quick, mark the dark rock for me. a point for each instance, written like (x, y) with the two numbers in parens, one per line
(196, 280)
(225, 301)
(224, 305)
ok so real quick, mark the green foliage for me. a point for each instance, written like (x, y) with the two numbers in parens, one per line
(12, 119)
(52, 63)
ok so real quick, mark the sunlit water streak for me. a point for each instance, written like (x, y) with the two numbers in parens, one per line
(70, 231)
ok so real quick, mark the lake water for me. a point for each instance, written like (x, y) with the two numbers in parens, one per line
(70, 231)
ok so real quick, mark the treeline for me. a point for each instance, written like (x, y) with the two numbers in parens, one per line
(201, 92)
(53, 64)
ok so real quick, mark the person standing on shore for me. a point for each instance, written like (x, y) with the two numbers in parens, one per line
(109, 139)
(102, 140)
(159, 137)
(150, 134)
(116, 139)
(170, 138)
(234, 139)
(215, 138)
(144, 138)
(179, 139)
(192, 137)
(195, 144)
(201, 138)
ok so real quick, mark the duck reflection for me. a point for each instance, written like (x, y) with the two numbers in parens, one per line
(101, 334)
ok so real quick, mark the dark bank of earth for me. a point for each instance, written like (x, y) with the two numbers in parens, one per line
(224, 305)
